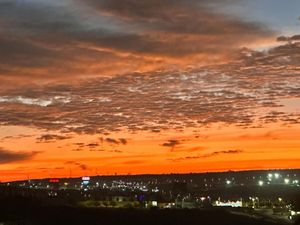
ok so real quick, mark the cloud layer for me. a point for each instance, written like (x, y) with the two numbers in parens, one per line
(48, 39)
(42, 40)
(248, 92)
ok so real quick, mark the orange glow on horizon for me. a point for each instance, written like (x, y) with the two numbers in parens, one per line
(207, 150)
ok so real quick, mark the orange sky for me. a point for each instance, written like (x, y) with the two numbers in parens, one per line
(239, 149)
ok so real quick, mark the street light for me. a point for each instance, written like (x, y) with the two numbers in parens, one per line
(286, 181)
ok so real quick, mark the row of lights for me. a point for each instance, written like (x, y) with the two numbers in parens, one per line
(277, 176)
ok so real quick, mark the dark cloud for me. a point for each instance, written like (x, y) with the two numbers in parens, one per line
(283, 55)
(52, 39)
(77, 164)
(21, 136)
(83, 166)
(92, 145)
(80, 144)
(177, 16)
(283, 38)
(52, 138)
(208, 155)
(295, 37)
(112, 141)
(290, 39)
(43, 40)
(171, 143)
(191, 26)
(122, 141)
(117, 151)
(225, 152)
(7, 156)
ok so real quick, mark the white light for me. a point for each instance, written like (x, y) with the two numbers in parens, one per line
(229, 203)
(276, 175)
(286, 181)
(260, 183)
(270, 175)
(228, 182)
(202, 199)
(154, 203)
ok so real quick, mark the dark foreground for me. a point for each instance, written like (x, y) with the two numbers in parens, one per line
(24, 211)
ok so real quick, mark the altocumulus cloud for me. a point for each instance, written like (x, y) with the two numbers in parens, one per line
(156, 101)
(47, 39)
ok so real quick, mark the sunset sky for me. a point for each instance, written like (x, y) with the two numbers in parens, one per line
(102, 87)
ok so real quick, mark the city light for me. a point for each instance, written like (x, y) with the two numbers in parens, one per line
(154, 203)
(260, 183)
(228, 182)
(286, 181)
(234, 204)
(295, 181)
(54, 180)
(86, 178)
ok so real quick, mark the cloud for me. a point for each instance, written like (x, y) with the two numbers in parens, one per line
(176, 99)
(191, 26)
(77, 164)
(21, 136)
(111, 141)
(168, 99)
(122, 141)
(83, 166)
(208, 155)
(283, 38)
(92, 145)
(290, 39)
(7, 156)
(61, 39)
(283, 55)
(225, 152)
(51, 138)
(171, 143)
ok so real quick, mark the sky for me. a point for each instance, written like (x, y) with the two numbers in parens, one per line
(103, 87)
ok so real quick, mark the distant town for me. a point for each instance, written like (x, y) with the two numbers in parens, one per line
(269, 193)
